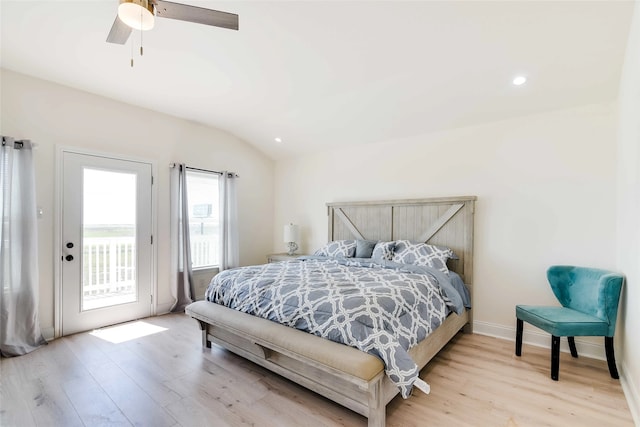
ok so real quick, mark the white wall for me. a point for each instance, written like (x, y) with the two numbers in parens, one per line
(51, 115)
(629, 216)
(546, 187)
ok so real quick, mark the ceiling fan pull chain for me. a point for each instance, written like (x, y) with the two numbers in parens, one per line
(141, 32)
(131, 52)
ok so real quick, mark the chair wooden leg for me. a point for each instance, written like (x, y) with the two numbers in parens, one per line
(572, 346)
(519, 327)
(611, 359)
(555, 357)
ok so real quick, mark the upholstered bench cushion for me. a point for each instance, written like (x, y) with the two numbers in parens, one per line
(335, 355)
(562, 321)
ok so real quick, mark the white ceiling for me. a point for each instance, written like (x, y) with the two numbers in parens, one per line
(327, 73)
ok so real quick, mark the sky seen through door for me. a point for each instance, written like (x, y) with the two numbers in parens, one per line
(109, 198)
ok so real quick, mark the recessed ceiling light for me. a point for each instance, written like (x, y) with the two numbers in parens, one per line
(519, 80)
(277, 139)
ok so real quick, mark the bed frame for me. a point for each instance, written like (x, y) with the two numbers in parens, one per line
(334, 370)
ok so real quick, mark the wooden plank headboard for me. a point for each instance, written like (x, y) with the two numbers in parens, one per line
(446, 221)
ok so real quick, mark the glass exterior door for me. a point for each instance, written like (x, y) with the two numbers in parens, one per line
(106, 238)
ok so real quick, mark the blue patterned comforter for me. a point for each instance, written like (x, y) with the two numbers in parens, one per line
(383, 310)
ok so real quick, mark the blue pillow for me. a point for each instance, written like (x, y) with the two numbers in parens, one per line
(364, 248)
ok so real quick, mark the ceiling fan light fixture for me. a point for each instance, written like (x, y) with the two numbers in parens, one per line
(137, 14)
(519, 80)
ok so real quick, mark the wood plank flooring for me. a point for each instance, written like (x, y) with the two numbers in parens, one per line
(167, 379)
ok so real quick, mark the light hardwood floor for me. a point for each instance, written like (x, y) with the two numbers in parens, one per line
(167, 379)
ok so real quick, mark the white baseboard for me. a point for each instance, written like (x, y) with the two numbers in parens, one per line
(539, 339)
(163, 308)
(166, 308)
(631, 392)
(47, 333)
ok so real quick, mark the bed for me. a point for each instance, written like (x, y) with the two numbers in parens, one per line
(344, 374)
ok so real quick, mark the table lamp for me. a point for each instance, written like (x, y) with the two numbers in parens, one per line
(291, 236)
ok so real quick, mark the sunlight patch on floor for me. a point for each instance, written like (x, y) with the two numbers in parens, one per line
(129, 331)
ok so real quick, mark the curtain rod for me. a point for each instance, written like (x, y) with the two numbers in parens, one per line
(173, 165)
(17, 144)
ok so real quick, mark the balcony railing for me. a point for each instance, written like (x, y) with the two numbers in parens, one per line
(109, 263)
(204, 251)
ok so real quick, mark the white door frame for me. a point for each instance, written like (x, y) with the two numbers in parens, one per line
(57, 232)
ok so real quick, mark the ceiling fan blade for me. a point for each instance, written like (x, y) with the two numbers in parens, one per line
(184, 12)
(119, 32)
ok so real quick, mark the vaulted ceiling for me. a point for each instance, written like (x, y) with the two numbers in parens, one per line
(321, 74)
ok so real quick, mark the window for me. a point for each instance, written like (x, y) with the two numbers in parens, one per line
(204, 218)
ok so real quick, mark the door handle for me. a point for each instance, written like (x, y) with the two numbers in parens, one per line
(69, 257)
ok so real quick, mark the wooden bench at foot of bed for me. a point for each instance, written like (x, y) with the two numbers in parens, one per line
(346, 375)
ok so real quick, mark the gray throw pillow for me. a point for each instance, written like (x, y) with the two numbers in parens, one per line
(364, 248)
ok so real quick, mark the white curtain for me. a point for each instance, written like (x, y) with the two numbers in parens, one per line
(229, 243)
(19, 325)
(181, 271)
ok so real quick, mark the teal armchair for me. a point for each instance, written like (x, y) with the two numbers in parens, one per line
(589, 299)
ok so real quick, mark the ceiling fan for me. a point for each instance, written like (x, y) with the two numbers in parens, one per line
(140, 15)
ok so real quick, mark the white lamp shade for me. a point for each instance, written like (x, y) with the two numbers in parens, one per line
(138, 14)
(291, 233)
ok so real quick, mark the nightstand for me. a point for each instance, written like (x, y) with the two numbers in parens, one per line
(282, 257)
